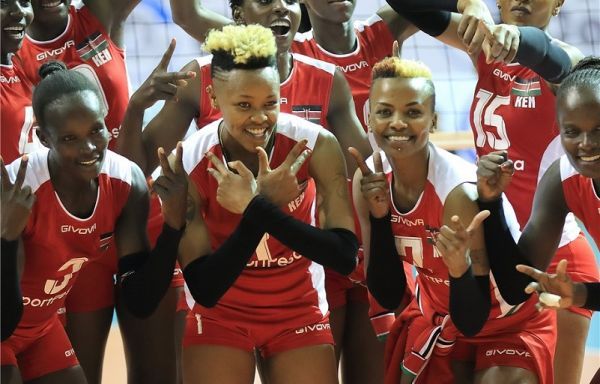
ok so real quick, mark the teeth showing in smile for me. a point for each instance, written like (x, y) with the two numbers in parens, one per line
(257, 132)
(398, 138)
(91, 162)
(280, 27)
(589, 158)
(15, 32)
(51, 5)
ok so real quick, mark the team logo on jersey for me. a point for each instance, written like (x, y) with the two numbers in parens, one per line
(432, 234)
(311, 113)
(105, 240)
(526, 87)
(94, 47)
(53, 287)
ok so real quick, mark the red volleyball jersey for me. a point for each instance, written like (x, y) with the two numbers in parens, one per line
(18, 123)
(278, 285)
(513, 109)
(414, 230)
(85, 46)
(305, 93)
(58, 244)
(374, 43)
(582, 198)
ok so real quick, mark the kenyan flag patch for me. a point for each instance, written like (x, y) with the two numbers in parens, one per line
(526, 87)
(92, 46)
(311, 113)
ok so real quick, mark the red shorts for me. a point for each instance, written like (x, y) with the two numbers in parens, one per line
(581, 265)
(200, 330)
(48, 351)
(341, 289)
(94, 288)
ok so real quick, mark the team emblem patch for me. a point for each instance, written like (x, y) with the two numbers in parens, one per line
(94, 47)
(526, 87)
(311, 113)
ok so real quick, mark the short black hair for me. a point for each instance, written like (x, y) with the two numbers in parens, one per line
(57, 81)
(585, 74)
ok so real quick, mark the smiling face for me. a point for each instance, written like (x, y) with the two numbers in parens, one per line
(281, 16)
(48, 12)
(249, 102)
(75, 132)
(578, 113)
(335, 11)
(534, 13)
(15, 15)
(401, 115)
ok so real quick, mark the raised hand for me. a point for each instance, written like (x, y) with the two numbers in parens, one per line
(280, 185)
(454, 241)
(160, 85)
(235, 191)
(172, 188)
(396, 49)
(501, 42)
(554, 290)
(494, 173)
(473, 12)
(16, 201)
(374, 185)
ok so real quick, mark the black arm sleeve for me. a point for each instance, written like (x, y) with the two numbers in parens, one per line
(592, 301)
(334, 248)
(385, 274)
(12, 299)
(210, 276)
(504, 254)
(470, 302)
(146, 276)
(423, 5)
(537, 52)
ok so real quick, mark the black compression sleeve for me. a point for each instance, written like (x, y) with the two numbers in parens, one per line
(433, 23)
(537, 52)
(504, 254)
(334, 248)
(12, 300)
(401, 6)
(210, 276)
(592, 301)
(146, 276)
(470, 302)
(385, 274)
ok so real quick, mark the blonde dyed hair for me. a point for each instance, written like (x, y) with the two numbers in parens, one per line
(392, 67)
(244, 44)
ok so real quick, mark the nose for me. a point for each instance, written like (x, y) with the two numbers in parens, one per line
(398, 124)
(589, 140)
(280, 6)
(87, 146)
(259, 117)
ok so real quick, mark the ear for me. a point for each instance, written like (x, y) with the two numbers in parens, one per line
(433, 127)
(557, 6)
(213, 97)
(238, 15)
(43, 137)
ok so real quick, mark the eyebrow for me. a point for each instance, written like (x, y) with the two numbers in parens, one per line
(252, 97)
(406, 105)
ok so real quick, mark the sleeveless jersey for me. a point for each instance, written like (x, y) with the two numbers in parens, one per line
(58, 244)
(278, 284)
(582, 198)
(414, 231)
(305, 93)
(373, 43)
(513, 109)
(18, 123)
(86, 47)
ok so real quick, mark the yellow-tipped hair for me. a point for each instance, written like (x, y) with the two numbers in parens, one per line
(391, 67)
(243, 42)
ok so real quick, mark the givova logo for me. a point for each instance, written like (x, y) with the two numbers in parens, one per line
(74, 265)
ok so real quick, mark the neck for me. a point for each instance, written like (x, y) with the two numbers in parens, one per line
(43, 32)
(337, 38)
(410, 177)
(5, 58)
(284, 65)
(78, 196)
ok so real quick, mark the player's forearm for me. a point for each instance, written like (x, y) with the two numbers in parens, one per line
(537, 52)
(587, 295)
(470, 302)
(424, 5)
(195, 19)
(129, 142)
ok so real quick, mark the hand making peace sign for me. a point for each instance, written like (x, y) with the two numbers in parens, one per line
(16, 202)
(374, 185)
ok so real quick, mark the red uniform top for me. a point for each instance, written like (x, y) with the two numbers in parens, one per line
(86, 47)
(56, 243)
(581, 197)
(514, 109)
(413, 232)
(278, 285)
(374, 43)
(18, 122)
(305, 93)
